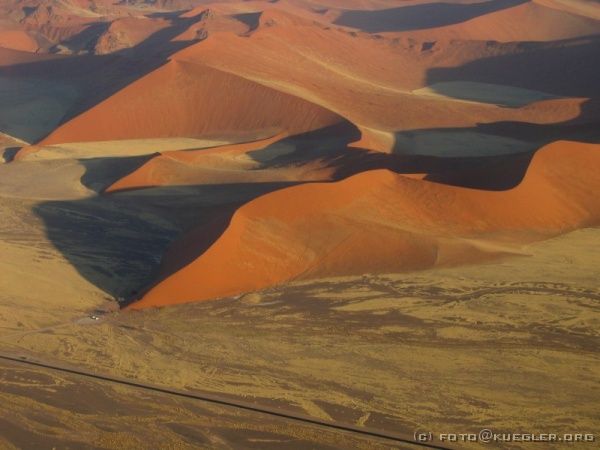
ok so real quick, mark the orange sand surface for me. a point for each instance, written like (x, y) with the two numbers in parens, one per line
(191, 100)
(379, 221)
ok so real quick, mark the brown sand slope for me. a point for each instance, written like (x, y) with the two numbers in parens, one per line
(379, 221)
(585, 8)
(188, 100)
(17, 40)
(127, 32)
(325, 70)
(210, 20)
(257, 68)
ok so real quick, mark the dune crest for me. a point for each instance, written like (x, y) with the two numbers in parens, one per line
(379, 221)
(183, 99)
(527, 21)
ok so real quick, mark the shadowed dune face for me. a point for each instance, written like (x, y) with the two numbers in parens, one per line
(69, 27)
(417, 17)
(33, 107)
(536, 67)
(128, 32)
(517, 21)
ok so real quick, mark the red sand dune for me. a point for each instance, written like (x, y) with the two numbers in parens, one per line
(281, 68)
(17, 40)
(194, 167)
(190, 100)
(583, 8)
(128, 32)
(379, 221)
(325, 71)
(11, 57)
(210, 21)
(528, 21)
(186, 98)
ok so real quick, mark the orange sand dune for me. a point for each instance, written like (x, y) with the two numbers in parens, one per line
(190, 100)
(349, 4)
(127, 32)
(525, 22)
(17, 40)
(585, 8)
(210, 22)
(76, 26)
(10, 57)
(220, 165)
(250, 10)
(379, 221)
(325, 85)
(52, 22)
(325, 72)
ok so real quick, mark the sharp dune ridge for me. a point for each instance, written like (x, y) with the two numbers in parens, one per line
(319, 79)
(528, 21)
(381, 222)
(192, 102)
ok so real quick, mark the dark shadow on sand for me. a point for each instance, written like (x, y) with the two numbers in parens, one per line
(566, 68)
(9, 153)
(97, 77)
(100, 173)
(117, 241)
(418, 17)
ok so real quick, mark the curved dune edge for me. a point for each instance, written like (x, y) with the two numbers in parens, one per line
(379, 221)
(127, 32)
(183, 99)
(260, 92)
(528, 21)
(17, 40)
(177, 167)
(582, 8)
(324, 74)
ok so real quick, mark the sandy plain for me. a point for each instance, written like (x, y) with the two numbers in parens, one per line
(455, 348)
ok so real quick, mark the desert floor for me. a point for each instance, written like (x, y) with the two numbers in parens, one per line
(508, 345)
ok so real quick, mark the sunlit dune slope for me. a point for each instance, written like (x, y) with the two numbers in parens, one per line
(249, 12)
(585, 8)
(517, 21)
(189, 100)
(17, 40)
(379, 221)
(293, 74)
(128, 32)
(207, 20)
(527, 22)
(376, 95)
